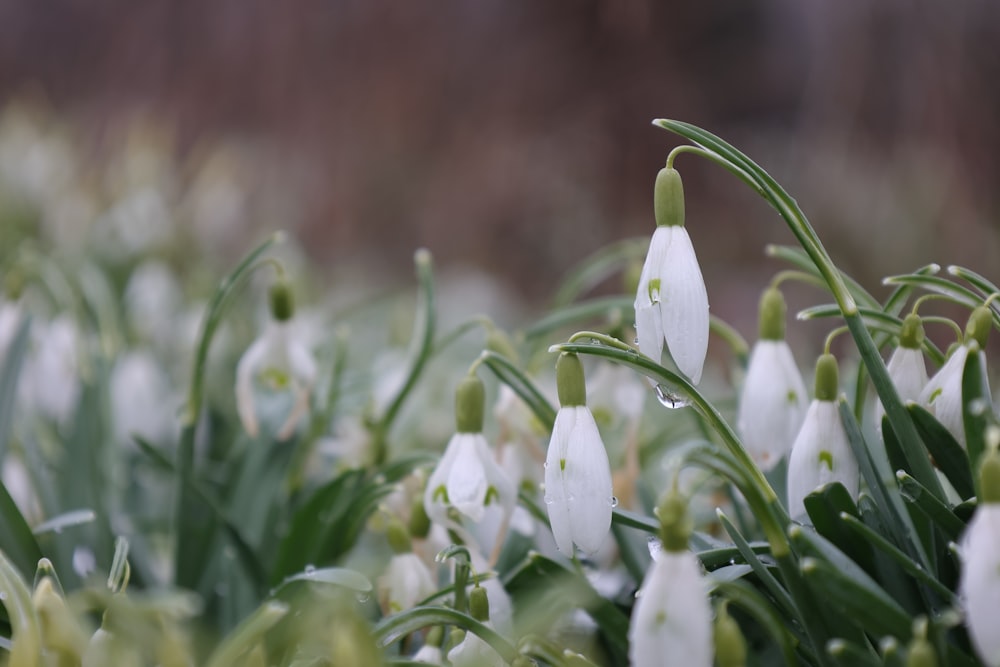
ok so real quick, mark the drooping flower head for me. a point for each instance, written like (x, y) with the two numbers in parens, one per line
(979, 585)
(472, 651)
(671, 624)
(468, 479)
(821, 453)
(942, 395)
(773, 401)
(578, 490)
(906, 365)
(671, 303)
(276, 365)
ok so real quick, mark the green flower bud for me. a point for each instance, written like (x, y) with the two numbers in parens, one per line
(827, 378)
(398, 536)
(570, 382)
(282, 301)
(668, 198)
(420, 523)
(772, 315)
(479, 604)
(675, 522)
(435, 636)
(455, 638)
(730, 645)
(979, 325)
(470, 402)
(911, 335)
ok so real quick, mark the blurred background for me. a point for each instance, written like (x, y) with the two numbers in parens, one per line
(511, 137)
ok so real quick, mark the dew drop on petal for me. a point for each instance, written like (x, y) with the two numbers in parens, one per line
(669, 399)
(548, 500)
(613, 500)
(310, 569)
(362, 598)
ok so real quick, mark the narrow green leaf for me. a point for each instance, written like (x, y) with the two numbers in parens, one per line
(16, 538)
(760, 568)
(977, 406)
(942, 516)
(949, 456)
(953, 291)
(517, 380)
(247, 635)
(825, 506)
(578, 313)
(854, 524)
(596, 268)
(66, 520)
(860, 600)
(333, 576)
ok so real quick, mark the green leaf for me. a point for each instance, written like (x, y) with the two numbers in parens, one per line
(760, 568)
(850, 654)
(747, 598)
(949, 456)
(521, 384)
(584, 311)
(940, 514)
(328, 522)
(825, 506)
(857, 598)
(977, 406)
(16, 538)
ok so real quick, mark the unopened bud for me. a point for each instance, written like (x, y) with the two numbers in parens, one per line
(479, 604)
(730, 645)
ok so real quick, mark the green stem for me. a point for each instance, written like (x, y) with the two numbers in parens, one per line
(424, 336)
(395, 627)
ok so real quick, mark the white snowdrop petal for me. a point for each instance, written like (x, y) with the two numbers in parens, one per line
(684, 305)
(435, 493)
(671, 624)
(979, 585)
(772, 403)
(820, 455)
(590, 474)
(246, 369)
(467, 484)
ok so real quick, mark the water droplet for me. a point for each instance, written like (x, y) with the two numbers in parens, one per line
(310, 569)
(545, 465)
(361, 597)
(638, 594)
(732, 561)
(3, 595)
(548, 500)
(669, 399)
(439, 558)
(613, 500)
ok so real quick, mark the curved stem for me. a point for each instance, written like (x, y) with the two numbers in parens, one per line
(797, 222)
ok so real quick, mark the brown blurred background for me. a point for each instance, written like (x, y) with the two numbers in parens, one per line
(515, 134)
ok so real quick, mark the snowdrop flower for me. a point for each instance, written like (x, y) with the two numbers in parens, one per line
(821, 453)
(979, 585)
(577, 472)
(671, 302)
(906, 365)
(276, 363)
(774, 400)
(942, 395)
(468, 479)
(406, 580)
(472, 651)
(671, 623)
